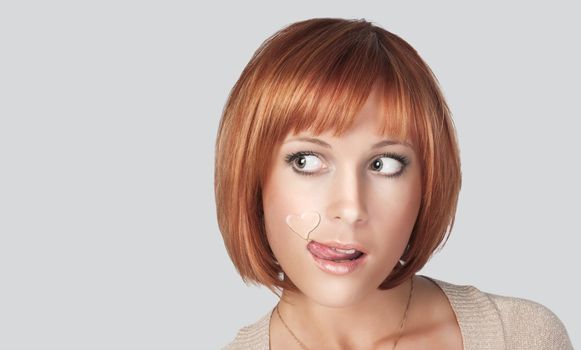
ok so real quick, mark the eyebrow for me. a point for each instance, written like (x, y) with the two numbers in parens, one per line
(324, 144)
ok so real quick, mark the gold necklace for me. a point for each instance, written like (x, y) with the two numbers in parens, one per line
(400, 326)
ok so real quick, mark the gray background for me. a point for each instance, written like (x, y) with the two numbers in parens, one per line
(109, 112)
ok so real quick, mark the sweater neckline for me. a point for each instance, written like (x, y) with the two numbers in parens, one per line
(477, 316)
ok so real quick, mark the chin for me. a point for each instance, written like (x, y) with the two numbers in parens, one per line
(338, 294)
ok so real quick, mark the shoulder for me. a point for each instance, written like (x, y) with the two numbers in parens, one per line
(514, 322)
(528, 320)
(254, 336)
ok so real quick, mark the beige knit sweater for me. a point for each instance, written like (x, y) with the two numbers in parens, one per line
(487, 321)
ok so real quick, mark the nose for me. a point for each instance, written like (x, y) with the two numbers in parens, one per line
(347, 198)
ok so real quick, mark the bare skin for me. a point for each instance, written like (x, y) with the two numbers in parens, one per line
(431, 324)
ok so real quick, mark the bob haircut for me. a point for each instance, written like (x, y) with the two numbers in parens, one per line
(315, 75)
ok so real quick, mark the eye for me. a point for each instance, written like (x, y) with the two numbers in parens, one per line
(389, 164)
(305, 162)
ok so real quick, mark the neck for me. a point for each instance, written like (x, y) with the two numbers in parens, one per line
(372, 320)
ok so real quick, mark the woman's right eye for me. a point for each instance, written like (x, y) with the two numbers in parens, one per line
(306, 163)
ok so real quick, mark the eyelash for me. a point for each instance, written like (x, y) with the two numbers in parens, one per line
(290, 158)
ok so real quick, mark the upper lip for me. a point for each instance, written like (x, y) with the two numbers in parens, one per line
(346, 246)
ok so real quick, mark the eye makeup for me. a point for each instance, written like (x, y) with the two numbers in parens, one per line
(292, 157)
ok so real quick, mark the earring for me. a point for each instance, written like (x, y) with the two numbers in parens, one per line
(401, 262)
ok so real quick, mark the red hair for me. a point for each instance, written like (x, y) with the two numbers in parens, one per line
(316, 75)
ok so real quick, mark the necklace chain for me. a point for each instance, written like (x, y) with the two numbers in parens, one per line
(400, 326)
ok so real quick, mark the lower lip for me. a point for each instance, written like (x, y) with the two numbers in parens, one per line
(339, 268)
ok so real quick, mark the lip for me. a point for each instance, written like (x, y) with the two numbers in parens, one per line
(339, 268)
(341, 245)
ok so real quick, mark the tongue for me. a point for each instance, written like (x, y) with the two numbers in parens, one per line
(324, 252)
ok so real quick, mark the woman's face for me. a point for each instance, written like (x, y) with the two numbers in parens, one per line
(364, 195)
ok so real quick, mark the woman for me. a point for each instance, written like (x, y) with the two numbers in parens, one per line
(337, 176)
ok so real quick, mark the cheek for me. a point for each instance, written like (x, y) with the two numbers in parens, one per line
(393, 209)
(400, 205)
(279, 201)
(289, 193)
